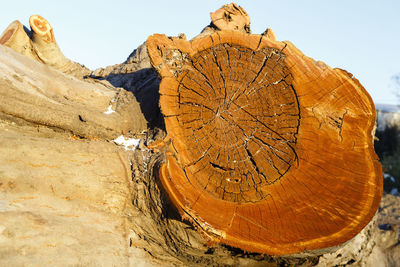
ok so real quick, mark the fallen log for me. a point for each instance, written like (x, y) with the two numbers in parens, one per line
(268, 150)
(49, 98)
(70, 195)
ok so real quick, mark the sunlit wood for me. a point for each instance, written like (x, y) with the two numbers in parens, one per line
(40, 45)
(15, 37)
(269, 150)
(40, 26)
(231, 17)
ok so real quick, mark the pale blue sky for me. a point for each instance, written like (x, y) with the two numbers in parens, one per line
(360, 36)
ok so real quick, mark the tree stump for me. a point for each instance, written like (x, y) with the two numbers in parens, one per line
(268, 150)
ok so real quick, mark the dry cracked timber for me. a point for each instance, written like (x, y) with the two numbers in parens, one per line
(71, 196)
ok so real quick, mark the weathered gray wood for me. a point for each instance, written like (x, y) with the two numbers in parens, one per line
(39, 94)
(63, 201)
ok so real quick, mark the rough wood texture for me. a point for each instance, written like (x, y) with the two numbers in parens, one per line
(50, 98)
(64, 202)
(69, 196)
(136, 75)
(15, 36)
(231, 17)
(269, 150)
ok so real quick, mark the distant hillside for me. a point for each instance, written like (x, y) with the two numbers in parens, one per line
(387, 108)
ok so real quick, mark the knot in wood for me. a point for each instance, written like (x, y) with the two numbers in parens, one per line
(239, 114)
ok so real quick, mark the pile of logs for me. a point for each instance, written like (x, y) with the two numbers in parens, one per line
(230, 148)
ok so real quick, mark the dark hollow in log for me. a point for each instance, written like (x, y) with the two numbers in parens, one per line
(269, 150)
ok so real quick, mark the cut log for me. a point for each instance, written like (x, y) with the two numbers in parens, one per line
(40, 45)
(268, 150)
(15, 36)
(47, 48)
(45, 44)
(49, 98)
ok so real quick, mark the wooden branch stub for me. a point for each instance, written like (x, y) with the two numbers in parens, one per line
(40, 45)
(269, 150)
(231, 17)
(45, 44)
(42, 27)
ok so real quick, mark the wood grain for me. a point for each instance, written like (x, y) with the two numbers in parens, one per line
(270, 151)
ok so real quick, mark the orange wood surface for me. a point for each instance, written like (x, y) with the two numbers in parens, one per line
(42, 27)
(271, 151)
(231, 17)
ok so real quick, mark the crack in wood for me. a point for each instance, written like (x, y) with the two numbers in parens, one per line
(240, 115)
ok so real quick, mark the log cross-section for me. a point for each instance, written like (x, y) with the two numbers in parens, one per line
(241, 122)
(269, 150)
